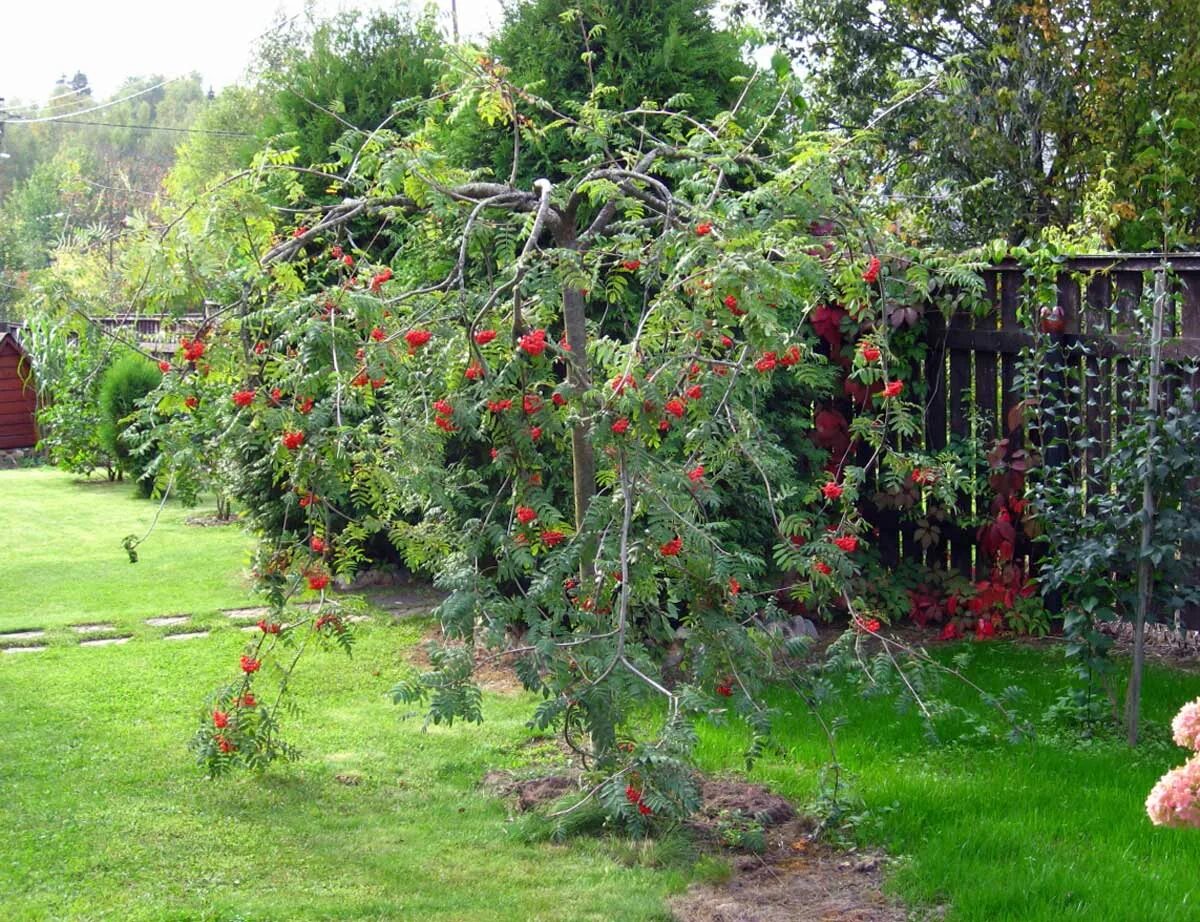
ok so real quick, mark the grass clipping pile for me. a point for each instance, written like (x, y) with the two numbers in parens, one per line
(792, 878)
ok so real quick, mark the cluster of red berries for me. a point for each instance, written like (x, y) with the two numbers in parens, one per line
(292, 439)
(634, 796)
(379, 278)
(416, 339)
(533, 343)
(193, 349)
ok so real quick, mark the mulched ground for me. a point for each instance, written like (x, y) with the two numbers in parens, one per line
(795, 879)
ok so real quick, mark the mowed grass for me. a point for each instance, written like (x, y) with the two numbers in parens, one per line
(1047, 830)
(105, 815)
(64, 563)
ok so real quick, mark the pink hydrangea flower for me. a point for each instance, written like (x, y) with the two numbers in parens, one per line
(1186, 726)
(1175, 800)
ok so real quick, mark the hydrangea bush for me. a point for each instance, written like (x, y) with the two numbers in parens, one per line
(1175, 799)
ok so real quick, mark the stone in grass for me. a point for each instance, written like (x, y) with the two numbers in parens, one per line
(30, 649)
(92, 628)
(167, 620)
(105, 641)
(22, 635)
(245, 614)
(186, 635)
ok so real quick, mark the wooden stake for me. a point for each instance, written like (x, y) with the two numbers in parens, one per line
(1133, 696)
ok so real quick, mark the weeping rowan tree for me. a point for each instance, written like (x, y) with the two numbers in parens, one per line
(553, 399)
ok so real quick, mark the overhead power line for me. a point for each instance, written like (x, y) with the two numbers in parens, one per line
(107, 105)
(34, 106)
(216, 131)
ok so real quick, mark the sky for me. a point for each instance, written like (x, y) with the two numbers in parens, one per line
(109, 40)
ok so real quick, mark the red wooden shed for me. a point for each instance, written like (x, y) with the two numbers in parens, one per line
(18, 399)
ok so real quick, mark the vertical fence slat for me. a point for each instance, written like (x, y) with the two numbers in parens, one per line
(985, 364)
(1189, 328)
(1096, 323)
(961, 550)
(1010, 293)
(1125, 299)
(935, 412)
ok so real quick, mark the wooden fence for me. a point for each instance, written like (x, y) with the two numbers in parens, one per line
(971, 373)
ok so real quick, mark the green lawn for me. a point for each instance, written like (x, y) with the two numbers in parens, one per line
(1047, 830)
(64, 563)
(104, 815)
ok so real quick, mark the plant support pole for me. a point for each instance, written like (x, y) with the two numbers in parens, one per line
(1133, 697)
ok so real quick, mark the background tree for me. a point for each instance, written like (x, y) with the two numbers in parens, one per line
(1036, 99)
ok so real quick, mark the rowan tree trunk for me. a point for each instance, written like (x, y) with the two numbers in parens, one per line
(583, 454)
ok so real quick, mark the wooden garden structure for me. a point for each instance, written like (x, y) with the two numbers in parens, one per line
(18, 396)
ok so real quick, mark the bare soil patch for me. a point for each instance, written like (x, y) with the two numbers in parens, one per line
(212, 520)
(794, 879)
(406, 601)
(530, 793)
(491, 672)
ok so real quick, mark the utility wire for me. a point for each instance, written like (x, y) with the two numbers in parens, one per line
(216, 131)
(107, 105)
(34, 106)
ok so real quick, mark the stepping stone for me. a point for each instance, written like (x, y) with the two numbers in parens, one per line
(358, 619)
(167, 620)
(21, 635)
(33, 649)
(104, 641)
(92, 628)
(186, 636)
(245, 614)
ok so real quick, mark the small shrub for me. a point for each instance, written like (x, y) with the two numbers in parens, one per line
(125, 383)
